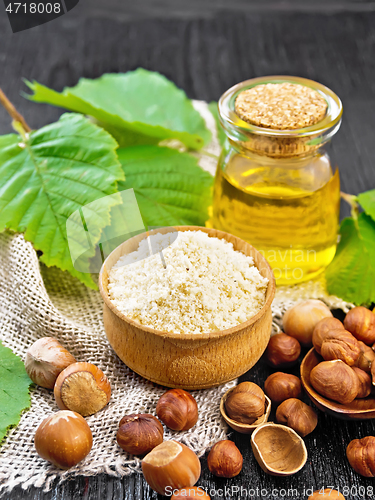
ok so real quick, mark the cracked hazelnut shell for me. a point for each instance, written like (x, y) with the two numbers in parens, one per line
(83, 388)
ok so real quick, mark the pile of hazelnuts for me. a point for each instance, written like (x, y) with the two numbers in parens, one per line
(346, 372)
(81, 389)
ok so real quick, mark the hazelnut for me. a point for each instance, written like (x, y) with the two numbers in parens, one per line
(177, 409)
(192, 492)
(365, 384)
(82, 387)
(245, 403)
(322, 328)
(139, 434)
(297, 415)
(361, 455)
(361, 323)
(169, 466)
(63, 439)
(281, 386)
(335, 380)
(300, 320)
(326, 493)
(340, 344)
(225, 459)
(282, 350)
(45, 360)
(366, 357)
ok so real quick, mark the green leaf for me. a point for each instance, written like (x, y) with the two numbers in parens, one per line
(50, 173)
(367, 202)
(136, 107)
(220, 132)
(170, 187)
(351, 274)
(14, 389)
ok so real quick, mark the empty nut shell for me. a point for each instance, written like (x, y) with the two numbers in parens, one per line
(297, 415)
(361, 455)
(282, 350)
(335, 380)
(246, 403)
(281, 386)
(139, 433)
(225, 459)
(361, 323)
(177, 409)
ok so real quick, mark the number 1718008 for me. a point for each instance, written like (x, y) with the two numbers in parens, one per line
(33, 8)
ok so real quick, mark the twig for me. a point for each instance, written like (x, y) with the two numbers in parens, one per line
(13, 112)
(352, 200)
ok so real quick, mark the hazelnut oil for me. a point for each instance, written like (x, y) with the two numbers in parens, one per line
(291, 216)
(275, 186)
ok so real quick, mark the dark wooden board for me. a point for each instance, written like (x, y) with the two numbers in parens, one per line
(205, 57)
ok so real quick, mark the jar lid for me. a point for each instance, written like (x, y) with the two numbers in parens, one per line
(281, 106)
(280, 116)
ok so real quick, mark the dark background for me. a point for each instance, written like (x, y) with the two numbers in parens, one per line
(206, 46)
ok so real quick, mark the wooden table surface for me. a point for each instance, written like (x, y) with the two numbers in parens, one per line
(205, 52)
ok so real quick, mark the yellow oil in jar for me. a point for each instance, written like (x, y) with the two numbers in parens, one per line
(290, 216)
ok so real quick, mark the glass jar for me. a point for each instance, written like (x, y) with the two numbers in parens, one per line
(278, 189)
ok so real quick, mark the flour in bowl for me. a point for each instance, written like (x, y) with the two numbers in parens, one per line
(206, 286)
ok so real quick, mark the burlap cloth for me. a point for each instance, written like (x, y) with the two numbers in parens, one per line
(36, 301)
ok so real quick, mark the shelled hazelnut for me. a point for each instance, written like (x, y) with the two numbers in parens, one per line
(335, 380)
(177, 409)
(63, 439)
(82, 387)
(281, 386)
(360, 321)
(282, 350)
(225, 459)
(171, 466)
(361, 455)
(45, 360)
(296, 414)
(300, 320)
(322, 328)
(365, 384)
(366, 357)
(340, 344)
(245, 403)
(139, 433)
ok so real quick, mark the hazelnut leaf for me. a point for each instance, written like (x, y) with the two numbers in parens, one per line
(14, 389)
(48, 174)
(170, 187)
(137, 107)
(367, 202)
(351, 274)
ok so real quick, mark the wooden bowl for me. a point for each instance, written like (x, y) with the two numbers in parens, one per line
(359, 409)
(191, 361)
(238, 426)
